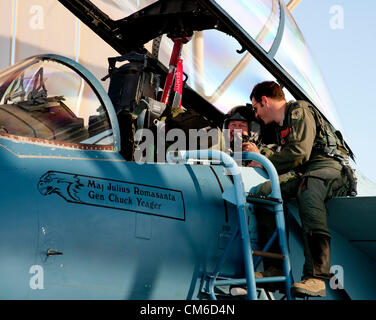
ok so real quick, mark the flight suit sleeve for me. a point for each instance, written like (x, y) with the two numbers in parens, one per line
(267, 151)
(298, 143)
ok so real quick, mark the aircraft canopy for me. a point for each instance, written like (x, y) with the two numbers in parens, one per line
(215, 70)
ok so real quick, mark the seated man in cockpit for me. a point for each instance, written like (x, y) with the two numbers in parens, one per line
(241, 126)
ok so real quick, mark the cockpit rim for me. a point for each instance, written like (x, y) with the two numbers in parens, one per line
(94, 84)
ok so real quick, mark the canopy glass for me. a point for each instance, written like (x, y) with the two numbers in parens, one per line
(46, 99)
(296, 59)
(259, 18)
(226, 78)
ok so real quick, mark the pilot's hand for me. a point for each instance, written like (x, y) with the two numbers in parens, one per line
(250, 147)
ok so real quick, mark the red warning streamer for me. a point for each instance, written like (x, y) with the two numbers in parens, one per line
(178, 44)
(178, 84)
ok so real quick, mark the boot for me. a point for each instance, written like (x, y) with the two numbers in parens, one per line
(312, 287)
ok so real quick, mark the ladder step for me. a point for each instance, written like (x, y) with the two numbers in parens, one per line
(243, 281)
(270, 255)
(270, 279)
(254, 198)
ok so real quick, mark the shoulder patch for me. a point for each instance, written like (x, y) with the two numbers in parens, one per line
(297, 114)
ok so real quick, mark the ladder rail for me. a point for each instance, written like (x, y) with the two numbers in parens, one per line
(281, 227)
(240, 200)
(278, 208)
(230, 164)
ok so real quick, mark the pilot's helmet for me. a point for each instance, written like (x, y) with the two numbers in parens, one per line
(245, 113)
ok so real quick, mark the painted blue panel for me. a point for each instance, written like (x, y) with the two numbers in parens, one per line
(18, 232)
(354, 218)
(111, 253)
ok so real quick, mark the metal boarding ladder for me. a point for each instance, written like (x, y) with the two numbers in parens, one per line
(237, 196)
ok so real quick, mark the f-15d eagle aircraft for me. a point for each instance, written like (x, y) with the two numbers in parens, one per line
(82, 218)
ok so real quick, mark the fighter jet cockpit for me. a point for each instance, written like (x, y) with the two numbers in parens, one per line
(89, 213)
(227, 48)
(53, 99)
(46, 99)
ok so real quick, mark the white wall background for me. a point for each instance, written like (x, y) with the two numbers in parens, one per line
(30, 27)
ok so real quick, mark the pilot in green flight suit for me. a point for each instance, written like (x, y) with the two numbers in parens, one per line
(306, 172)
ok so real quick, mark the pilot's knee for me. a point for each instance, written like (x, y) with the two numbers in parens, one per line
(263, 189)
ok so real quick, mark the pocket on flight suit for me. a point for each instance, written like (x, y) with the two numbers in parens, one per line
(331, 177)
